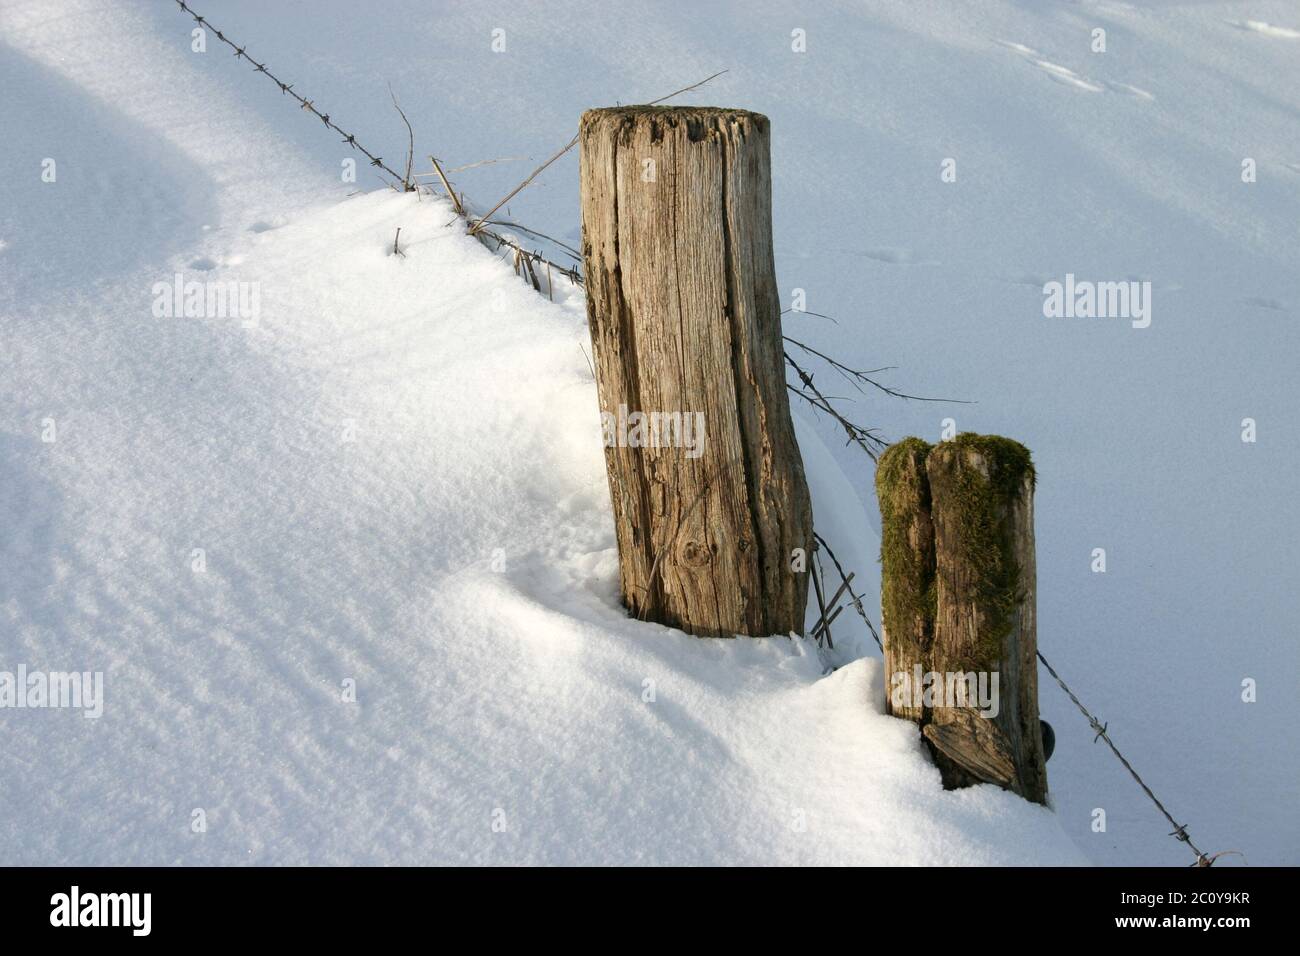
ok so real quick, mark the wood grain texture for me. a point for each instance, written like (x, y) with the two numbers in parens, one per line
(976, 746)
(685, 317)
(982, 505)
(906, 568)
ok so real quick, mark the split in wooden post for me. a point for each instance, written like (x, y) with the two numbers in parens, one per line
(978, 708)
(712, 518)
(907, 568)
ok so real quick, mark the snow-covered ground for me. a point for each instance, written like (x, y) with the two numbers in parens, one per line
(393, 480)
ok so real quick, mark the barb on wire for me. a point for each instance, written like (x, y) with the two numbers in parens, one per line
(865, 438)
(287, 88)
(1180, 829)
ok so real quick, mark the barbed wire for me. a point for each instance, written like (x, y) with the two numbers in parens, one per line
(532, 257)
(846, 579)
(526, 262)
(241, 53)
(1180, 829)
(829, 612)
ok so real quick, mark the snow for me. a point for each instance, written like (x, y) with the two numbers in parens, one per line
(485, 681)
(1269, 29)
(395, 477)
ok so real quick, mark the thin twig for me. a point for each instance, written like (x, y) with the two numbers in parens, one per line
(589, 365)
(815, 569)
(514, 192)
(824, 627)
(806, 312)
(857, 600)
(572, 143)
(834, 602)
(487, 162)
(854, 376)
(410, 140)
(451, 193)
(686, 89)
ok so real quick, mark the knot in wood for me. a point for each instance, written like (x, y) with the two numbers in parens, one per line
(696, 554)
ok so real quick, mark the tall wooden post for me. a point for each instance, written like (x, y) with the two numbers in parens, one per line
(711, 507)
(976, 493)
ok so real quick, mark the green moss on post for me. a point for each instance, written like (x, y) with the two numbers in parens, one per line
(957, 598)
(907, 593)
(981, 476)
(982, 489)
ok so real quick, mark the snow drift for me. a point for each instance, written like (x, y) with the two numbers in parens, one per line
(393, 477)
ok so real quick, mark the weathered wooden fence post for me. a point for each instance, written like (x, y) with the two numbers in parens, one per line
(711, 507)
(907, 567)
(980, 716)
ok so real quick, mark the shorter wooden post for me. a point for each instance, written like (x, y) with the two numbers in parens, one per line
(978, 709)
(907, 572)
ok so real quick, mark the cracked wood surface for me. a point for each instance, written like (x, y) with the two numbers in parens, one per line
(973, 631)
(684, 316)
